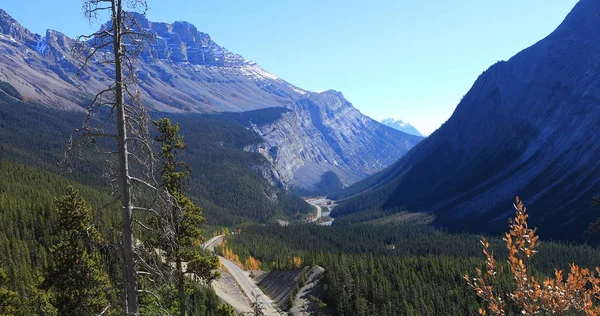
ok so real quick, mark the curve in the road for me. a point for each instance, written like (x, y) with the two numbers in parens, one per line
(248, 285)
(250, 288)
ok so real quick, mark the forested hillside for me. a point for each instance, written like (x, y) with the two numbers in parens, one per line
(228, 182)
(28, 220)
(406, 269)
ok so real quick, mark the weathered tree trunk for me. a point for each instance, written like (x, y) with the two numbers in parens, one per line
(130, 301)
(181, 287)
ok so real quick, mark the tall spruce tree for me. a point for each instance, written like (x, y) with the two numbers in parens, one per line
(77, 279)
(179, 229)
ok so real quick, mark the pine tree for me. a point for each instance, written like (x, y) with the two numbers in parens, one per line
(77, 279)
(225, 310)
(9, 300)
(180, 235)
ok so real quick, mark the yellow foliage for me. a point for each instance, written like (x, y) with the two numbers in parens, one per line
(579, 292)
(228, 254)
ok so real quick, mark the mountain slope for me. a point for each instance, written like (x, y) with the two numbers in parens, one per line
(230, 184)
(401, 126)
(529, 126)
(185, 71)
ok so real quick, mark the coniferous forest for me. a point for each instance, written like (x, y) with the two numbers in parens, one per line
(121, 200)
(391, 269)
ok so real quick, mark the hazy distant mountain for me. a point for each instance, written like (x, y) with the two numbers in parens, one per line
(401, 126)
(185, 71)
(529, 126)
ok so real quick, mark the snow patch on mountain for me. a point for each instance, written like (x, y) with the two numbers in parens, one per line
(254, 71)
(41, 46)
(7, 37)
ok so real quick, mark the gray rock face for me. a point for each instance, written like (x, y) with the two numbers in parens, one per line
(324, 132)
(401, 126)
(529, 126)
(185, 71)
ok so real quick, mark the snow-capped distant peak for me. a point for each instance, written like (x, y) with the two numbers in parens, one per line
(401, 126)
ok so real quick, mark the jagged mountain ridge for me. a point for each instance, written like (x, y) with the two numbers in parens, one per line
(529, 126)
(401, 126)
(184, 71)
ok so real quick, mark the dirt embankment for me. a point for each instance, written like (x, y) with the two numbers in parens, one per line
(308, 301)
(281, 285)
(228, 290)
(278, 285)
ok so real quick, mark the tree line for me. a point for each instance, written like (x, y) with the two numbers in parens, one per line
(394, 269)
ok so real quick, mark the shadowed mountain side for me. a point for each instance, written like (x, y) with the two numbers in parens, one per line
(529, 126)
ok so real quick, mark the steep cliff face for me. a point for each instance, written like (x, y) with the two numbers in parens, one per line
(324, 132)
(529, 126)
(185, 71)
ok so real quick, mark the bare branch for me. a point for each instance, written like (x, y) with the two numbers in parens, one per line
(142, 225)
(142, 182)
(105, 310)
(137, 208)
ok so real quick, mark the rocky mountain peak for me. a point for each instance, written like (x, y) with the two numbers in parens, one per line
(582, 19)
(331, 98)
(7, 22)
(11, 28)
(58, 40)
(181, 42)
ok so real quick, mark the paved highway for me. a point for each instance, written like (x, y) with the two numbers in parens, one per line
(319, 214)
(320, 203)
(250, 288)
(209, 244)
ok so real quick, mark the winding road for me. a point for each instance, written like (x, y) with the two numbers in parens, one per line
(210, 244)
(249, 287)
(319, 212)
(320, 203)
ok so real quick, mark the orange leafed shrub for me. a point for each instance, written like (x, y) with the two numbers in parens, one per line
(297, 261)
(578, 292)
(252, 264)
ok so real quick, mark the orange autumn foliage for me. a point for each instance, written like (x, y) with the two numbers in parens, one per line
(578, 292)
(297, 261)
(252, 264)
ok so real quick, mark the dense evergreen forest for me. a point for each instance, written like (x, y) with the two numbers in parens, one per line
(226, 181)
(399, 269)
(28, 220)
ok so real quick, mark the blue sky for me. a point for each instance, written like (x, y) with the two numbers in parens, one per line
(409, 59)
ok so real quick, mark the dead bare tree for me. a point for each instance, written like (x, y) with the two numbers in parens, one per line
(116, 113)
